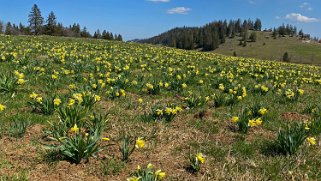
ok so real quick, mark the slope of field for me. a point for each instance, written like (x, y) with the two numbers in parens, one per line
(233, 118)
(266, 47)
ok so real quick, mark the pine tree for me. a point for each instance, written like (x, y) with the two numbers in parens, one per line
(119, 38)
(282, 30)
(59, 29)
(97, 34)
(35, 20)
(104, 35)
(253, 37)
(275, 33)
(201, 38)
(84, 33)
(238, 26)
(286, 57)
(231, 29)
(76, 30)
(216, 40)
(258, 25)
(51, 24)
(245, 38)
(301, 34)
(245, 26)
(9, 29)
(1, 27)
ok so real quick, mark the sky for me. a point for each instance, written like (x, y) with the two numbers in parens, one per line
(137, 19)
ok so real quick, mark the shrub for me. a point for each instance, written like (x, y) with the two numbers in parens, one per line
(253, 37)
(286, 57)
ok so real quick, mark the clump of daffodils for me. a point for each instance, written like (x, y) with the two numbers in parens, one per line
(86, 98)
(147, 173)
(196, 160)
(167, 113)
(261, 89)
(20, 77)
(250, 117)
(80, 140)
(127, 145)
(116, 92)
(152, 88)
(293, 94)
(44, 104)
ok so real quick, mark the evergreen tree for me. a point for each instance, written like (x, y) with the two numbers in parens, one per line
(245, 26)
(245, 38)
(104, 35)
(253, 37)
(258, 25)
(275, 33)
(282, 30)
(119, 38)
(59, 30)
(9, 29)
(51, 24)
(301, 34)
(35, 20)
(84, 33)
(238, 26)
(201, 38)
(216, 40)
(234, 54)
(286, 57)
(75, 30)
(97, 34)
(1, 27)
(231, 29)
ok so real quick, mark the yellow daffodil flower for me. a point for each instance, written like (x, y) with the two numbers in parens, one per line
(140, 143)
(2, 107)
(311, 140)
(200, 157)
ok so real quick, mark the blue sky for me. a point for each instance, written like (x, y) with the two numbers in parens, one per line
(146, 18)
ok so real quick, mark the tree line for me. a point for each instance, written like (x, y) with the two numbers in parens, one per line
(211, 35)
(39, 26)
(207, 37)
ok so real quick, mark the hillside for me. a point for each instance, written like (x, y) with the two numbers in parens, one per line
(225, 38)
(85, 109)
(269, 48)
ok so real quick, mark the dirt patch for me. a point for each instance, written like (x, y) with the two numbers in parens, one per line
(293, 116)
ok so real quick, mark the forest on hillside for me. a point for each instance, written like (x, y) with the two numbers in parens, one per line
(211, 35)
(39, 26)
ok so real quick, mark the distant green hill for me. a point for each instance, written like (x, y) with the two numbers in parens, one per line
(266, 47)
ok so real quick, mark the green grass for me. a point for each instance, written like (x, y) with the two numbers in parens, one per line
(230, 155)
(273, 49)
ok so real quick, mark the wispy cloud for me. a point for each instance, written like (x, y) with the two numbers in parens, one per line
(159, 1)
(306, 6)
(251, 1)
(179, 10)
(300, 18)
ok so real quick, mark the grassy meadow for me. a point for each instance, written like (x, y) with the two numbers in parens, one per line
(78, 109)
(266, 47)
